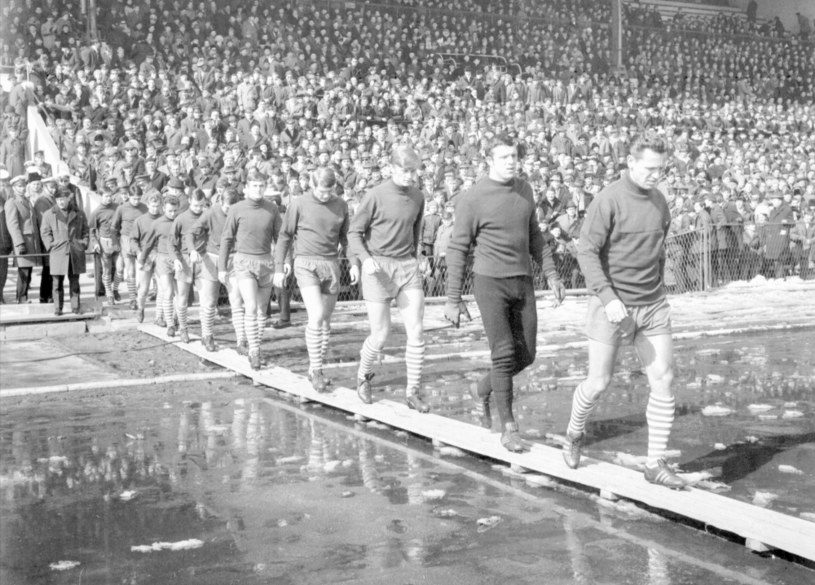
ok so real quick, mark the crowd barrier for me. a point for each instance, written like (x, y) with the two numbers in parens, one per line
(9, 292)
(696, 260)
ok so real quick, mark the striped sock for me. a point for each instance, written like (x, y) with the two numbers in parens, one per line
(581, 409)
(326, 336)
(314, 347)
(414, 360)
(660, 417)
(167, 306)
(108, 282)
(117, 279)
(238, 324)
(131, 288)
(367, 356)
(250, 323)
(181, 307)
(207, 320)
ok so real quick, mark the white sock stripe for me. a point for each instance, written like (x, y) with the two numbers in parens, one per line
(314, 346)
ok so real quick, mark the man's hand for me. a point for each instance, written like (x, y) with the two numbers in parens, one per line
(370, 266)
(178, 265)
(279, 280)
(454, 311)
(222, 277)
(194, 256)
(424, 266)
(616, 311)
(354, 274)
(557, 288)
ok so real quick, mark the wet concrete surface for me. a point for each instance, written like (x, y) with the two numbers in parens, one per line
(218, 484)
(45, 362)
(222, 484)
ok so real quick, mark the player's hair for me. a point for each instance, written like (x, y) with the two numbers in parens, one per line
(502, 139)
(198, 195)
(171, 200)
(154, 198)
(405, 157)
(649, 140)
(230, 196)
(323, 178)
(256, 177)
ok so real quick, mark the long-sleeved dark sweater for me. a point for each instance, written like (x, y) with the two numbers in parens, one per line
(158, 237)
(141, 228)
(182, 226)
(317, 228)
(251, 227)
(622, 243)
(388, 222)
(499, 219)
(209, 227)
(124, 217)
(101, 222)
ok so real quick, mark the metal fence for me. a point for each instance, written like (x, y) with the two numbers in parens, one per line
(696, 260)
(709, 258)
(35, 289)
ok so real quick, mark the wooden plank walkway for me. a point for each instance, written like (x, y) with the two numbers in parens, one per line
(762, 529)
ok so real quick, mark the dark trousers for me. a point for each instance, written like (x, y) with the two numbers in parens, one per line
(58, 291)
(46, 284)
(3, 274)
(23, 282)
(510, 318)
(99, 282)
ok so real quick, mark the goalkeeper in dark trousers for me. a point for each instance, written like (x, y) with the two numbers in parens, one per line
(497, 217)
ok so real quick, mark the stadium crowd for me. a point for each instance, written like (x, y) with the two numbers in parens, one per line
(176, 97)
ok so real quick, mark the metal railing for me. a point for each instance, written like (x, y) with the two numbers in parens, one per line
(95, 268)
(695, 260)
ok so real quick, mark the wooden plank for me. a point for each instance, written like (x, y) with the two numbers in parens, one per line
(756, 525)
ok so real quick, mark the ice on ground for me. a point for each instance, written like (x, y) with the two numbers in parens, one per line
(331, 466)
(433, 494)
(627, 460)
(712, 486)
(808, 516)
(63, 565)
(715, 379)
(757, 408)
(716, 410)
(488, 522)
(696, 476)
(450, 452)
(792, 414)
(290, 459)
(720, 446)
(445, 513)
(189, 544)
(764, 499)
(128, 495)
(790, 469)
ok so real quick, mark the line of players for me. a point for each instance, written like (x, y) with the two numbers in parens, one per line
(231, 243)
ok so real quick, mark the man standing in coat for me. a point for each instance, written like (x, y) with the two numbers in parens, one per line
(779, 223)
(6, 245)
(64, 234)
(24, 229)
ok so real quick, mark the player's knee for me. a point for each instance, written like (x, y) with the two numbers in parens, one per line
(596, 385)
(663, 377)
(415, 333)
(378, 338)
